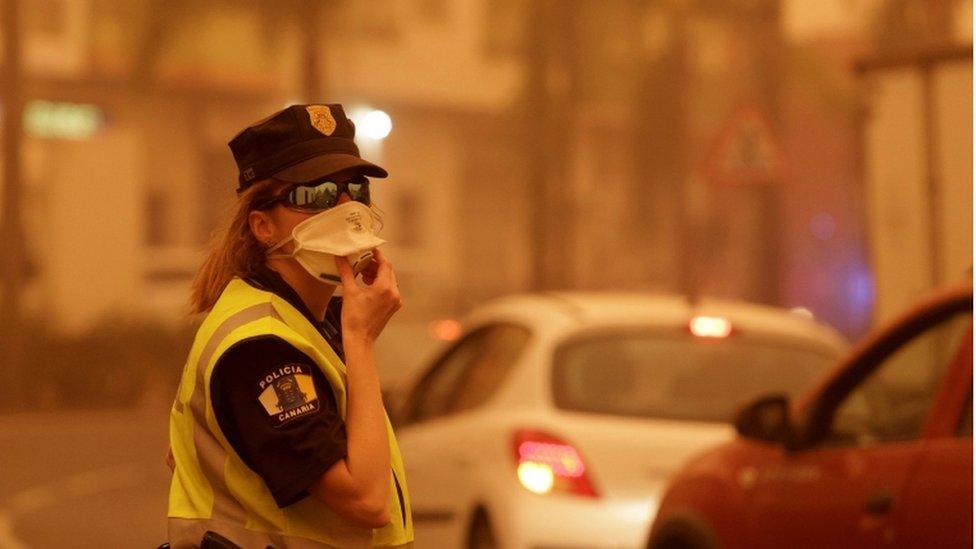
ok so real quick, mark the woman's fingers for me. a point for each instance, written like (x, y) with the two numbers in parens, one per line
(384, 268)
(370, 307)
(345, 273)
(384, 262)
(369, 272)
(395, 286)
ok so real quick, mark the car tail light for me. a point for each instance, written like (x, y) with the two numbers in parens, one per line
(545, 463)
(710, 326)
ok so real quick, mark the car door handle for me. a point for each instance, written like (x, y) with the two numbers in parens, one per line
(879, 503)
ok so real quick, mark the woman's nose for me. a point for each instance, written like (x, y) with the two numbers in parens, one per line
(343, 198)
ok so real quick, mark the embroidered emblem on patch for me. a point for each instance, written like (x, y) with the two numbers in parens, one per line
(321, 118)
(288, 393)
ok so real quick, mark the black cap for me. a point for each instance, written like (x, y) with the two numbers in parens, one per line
(298, 144)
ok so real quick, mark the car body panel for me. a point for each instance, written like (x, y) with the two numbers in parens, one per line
(830, 489)
(477, 471)
(465, 463)
(936, 508)
(908, 493)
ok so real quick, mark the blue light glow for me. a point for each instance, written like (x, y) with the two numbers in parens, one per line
(823, 226)
(860, 289)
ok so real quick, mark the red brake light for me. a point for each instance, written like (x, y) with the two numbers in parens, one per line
(710, 326)
(545, 463)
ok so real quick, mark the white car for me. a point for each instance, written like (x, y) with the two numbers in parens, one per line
(556, 419)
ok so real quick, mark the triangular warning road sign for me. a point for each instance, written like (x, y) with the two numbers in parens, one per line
(746, 152)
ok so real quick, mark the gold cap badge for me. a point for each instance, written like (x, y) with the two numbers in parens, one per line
(321, 118)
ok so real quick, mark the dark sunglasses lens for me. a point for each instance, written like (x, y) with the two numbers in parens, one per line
(317, 197)
(359, 192)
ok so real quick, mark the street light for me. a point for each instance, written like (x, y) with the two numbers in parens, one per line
(373, 124)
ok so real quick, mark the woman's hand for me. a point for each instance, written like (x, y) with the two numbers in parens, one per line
(368, 274)
(358, 487)
(366, 309)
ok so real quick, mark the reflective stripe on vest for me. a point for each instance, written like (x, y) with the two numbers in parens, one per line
(195, 529)
(212, 489)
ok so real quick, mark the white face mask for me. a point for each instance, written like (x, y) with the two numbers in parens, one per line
(344, 230)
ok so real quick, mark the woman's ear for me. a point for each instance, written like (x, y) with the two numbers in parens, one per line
(262, 227)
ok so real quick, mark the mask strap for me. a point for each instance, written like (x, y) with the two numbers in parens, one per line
(278, 245)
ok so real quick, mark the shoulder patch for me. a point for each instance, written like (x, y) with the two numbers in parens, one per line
(287, 393)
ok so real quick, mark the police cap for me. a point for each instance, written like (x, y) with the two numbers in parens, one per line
(298, 144)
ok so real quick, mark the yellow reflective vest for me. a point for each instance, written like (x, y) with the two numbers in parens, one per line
(212, 489)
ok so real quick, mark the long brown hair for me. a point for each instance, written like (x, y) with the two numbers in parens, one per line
(234, 250)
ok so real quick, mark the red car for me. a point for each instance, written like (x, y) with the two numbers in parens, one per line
(880, 454)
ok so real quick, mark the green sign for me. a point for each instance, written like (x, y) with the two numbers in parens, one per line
(45, 119)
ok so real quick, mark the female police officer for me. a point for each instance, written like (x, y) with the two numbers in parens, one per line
(278, 430)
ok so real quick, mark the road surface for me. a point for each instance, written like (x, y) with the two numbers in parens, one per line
(83, 479)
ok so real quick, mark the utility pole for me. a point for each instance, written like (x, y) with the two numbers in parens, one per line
(551, 87)
(309, 16)
(13, 264)
(660, 152)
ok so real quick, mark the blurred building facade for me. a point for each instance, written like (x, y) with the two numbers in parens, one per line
(917, 134)
(701, 147)
(127, 202)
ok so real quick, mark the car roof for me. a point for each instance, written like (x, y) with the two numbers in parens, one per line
(570, 311)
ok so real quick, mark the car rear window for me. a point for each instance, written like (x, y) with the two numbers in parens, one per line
(676, 376)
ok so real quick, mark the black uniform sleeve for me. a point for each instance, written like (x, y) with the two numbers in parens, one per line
(277, 410)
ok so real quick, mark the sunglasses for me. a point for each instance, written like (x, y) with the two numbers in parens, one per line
(320, 195)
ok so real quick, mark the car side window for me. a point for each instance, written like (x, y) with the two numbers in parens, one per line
(433, 395)
(893, 402)
(503, 345)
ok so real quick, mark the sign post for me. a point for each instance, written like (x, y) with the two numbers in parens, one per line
(746, 167)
